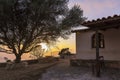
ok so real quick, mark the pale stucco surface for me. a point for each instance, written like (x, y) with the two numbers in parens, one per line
(112, 45)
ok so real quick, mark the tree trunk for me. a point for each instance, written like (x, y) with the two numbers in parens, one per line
(18, 58)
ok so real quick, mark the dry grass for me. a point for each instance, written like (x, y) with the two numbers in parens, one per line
(32, 72)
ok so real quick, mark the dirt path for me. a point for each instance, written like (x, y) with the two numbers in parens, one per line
(64, 71)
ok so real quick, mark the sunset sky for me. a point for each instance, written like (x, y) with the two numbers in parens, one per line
(93, 9)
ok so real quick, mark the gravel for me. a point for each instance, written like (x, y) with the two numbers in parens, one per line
(64, 71)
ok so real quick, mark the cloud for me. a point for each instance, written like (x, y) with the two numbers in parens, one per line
(97, 8)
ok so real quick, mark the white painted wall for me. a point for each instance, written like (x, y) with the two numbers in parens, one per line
(111, 50)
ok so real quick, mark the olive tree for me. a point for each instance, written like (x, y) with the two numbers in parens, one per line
(25, 23)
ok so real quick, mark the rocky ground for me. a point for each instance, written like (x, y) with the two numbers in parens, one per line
(64, 71)
(60, 70)
(31, 72)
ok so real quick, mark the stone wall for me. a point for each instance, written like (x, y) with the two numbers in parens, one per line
(89, 63)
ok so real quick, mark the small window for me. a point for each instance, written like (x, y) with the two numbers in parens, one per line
(101, 40)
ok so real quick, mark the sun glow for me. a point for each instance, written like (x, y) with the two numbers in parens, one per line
(54, 49)
(44, 47)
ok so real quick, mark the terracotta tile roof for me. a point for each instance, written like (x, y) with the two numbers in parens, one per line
(109, 18)
(104, 23)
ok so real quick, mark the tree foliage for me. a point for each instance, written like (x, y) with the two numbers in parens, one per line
(25, 23)
(37, 52)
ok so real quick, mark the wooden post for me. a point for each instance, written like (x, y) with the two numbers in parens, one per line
(97, 55)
